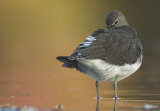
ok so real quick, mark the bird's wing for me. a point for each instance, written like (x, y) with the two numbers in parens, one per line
(84, 45)
(115, 48)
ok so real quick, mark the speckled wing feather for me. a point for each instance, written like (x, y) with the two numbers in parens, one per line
(116, 47)
(84, 45)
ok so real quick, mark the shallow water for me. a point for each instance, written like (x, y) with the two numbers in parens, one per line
(77, 92)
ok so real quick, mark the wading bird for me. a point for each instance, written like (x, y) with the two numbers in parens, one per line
(110, 54)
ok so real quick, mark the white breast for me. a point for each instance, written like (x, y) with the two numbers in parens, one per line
(102, 71)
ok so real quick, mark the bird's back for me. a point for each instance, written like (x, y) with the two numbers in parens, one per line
(117, 46)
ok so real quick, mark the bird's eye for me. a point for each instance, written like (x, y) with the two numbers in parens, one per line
(116, 22)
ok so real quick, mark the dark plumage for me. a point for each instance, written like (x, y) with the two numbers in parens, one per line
(116, 46)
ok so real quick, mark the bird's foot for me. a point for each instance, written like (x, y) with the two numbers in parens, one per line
(116, 98)
(98, 97)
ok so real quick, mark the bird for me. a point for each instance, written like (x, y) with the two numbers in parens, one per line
(109, 54)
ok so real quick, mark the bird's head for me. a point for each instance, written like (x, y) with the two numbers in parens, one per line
(115, 19)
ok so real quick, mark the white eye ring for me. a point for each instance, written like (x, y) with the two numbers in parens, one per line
(116, 22)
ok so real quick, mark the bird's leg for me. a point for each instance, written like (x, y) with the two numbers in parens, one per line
(115, 89)
(97, 88)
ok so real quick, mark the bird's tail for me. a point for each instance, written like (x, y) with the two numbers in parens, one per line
(67, 62)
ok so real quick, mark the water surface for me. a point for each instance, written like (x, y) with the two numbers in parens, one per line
(74, 91)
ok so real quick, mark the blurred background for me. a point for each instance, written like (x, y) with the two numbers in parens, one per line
(33, 33)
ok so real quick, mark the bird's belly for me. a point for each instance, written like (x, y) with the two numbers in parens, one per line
(100, 70)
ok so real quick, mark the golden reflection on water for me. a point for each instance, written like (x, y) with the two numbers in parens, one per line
(76, 91)
(33, 33)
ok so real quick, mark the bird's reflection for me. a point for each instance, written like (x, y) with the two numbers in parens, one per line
(115, 105)
(97, 107)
